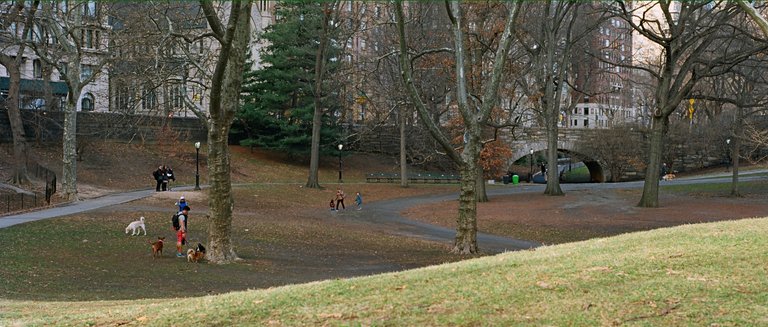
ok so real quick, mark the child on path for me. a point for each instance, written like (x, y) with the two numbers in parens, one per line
(359, 201)
(182, 203)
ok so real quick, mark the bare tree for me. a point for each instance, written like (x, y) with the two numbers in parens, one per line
(616, 148)
(69, 40)
(15, 16)
(697, 40)
(550, 44)
(233, 39)
(474, 114)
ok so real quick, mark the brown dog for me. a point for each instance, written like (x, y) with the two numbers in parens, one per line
(668, 177)
(157, 247)
(194, 255)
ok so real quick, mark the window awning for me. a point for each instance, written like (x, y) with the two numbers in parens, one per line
(35, 86)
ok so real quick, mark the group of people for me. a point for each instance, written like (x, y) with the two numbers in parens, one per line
(163, 175)
(179, 225)
(338, 201)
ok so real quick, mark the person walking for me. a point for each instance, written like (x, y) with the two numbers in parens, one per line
(171, 176)
(359, 201)
(664, 171)
(158, 175)
(164, 178)
(340, 199)
(180, 226)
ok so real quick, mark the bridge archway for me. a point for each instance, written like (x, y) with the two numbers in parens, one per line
(596, 172)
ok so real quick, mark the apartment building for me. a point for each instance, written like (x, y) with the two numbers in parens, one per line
(603, 91)
(37, 77)
(140, 65)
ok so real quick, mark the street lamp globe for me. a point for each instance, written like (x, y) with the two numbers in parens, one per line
(197, 145)
(340, 146)
(728, 141)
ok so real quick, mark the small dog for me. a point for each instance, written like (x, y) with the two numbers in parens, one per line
(668, 177)
(136, 227)
(157, 247)
(194, 255)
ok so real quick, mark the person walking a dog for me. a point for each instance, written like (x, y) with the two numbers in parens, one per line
(180, 226)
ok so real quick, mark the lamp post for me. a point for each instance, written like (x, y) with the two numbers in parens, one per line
(530, 173)
(197, 166)
(727, 154)
(340, 146)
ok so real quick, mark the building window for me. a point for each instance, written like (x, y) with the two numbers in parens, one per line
(124, 99)
(586, 111)
(37, 68)
(586, 122)
(89, 8)
(87, 103)
(89, 39)
(148, 98)
(86, 71)
(177, 96)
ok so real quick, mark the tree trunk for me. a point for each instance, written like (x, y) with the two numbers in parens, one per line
(317, 117)
(735, 150)
(314, 161)
(553, 180)
(69, 147)
(403, 154)
(220, 202)
(47, 88)
(482, 196)
(466, 222)
(19, 175)
(650, 198)
(225, 100)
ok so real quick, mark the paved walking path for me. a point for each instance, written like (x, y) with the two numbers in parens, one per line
(80, 206)
(385, 215)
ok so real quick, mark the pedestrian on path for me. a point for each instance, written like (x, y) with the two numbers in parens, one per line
(359, 201)
(164, 178)
(182, 203)
(340, 199)
(158, 175)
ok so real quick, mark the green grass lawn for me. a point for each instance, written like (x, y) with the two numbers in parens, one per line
(694, 275)
(757, 188)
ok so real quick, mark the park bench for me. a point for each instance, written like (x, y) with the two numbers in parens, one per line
(382, 177)
(414, 177)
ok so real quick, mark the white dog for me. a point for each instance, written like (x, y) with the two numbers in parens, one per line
(136, 227)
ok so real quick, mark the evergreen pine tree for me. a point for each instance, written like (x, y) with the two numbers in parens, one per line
(278, 98)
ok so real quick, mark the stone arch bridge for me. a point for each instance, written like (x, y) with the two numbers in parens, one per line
(535, 139)
(385, 139)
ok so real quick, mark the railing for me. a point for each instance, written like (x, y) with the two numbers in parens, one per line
(43, 173)
(19, 202)
(416, 178)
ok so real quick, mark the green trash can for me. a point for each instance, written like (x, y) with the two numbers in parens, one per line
(515, 179)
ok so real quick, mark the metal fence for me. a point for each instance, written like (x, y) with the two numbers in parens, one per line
(20, 202)
(13, 202)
